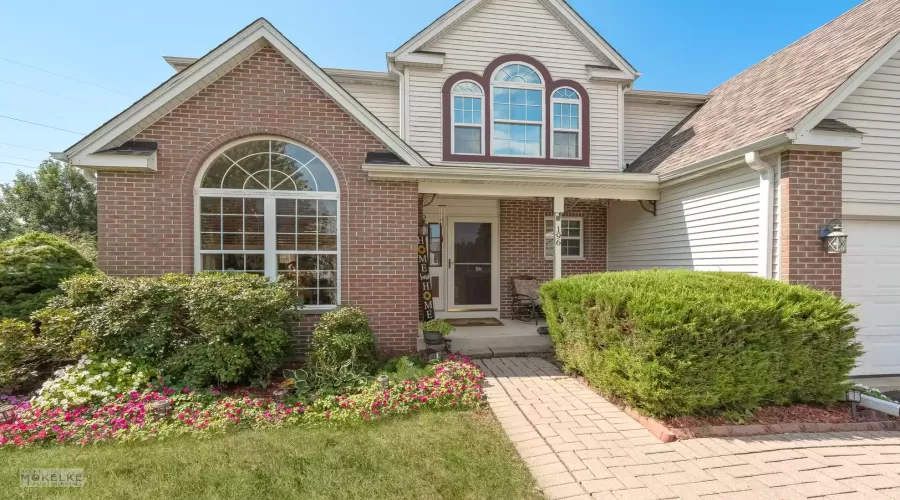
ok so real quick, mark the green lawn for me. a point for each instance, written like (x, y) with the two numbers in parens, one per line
(429, 456)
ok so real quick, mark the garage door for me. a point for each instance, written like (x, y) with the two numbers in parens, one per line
(871, 278)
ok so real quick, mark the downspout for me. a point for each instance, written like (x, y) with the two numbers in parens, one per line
(401, 77)
(766, 200)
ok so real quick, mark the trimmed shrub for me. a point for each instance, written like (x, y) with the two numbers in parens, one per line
(208, 328)
(343, 336)
(31, 268)
(690, 343)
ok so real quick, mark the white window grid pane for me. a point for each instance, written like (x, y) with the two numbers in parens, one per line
(467, 139)
(506, 109)
(317, 283)
(251, 232)
(570, 239)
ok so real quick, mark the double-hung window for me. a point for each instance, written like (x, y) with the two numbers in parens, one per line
(518, 112)
(468, 113)
(270, 207)
(571, 238)
(566, 123)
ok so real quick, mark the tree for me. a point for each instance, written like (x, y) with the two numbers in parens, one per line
(55, 199)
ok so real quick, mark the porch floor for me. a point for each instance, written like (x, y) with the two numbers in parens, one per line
(514, 338)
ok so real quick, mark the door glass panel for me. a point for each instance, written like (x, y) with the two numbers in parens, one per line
(472, 263)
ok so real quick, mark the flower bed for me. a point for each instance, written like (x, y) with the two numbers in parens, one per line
(456, 384)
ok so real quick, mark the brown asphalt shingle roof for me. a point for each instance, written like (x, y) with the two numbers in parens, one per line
(775, 94)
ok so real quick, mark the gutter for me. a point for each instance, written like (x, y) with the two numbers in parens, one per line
(720, 161)
(766, 200)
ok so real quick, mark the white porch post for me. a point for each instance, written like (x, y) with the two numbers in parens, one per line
(559, 204)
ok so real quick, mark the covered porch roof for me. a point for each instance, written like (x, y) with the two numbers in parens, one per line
(521, 181)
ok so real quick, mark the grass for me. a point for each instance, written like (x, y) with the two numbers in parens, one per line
(428, 456)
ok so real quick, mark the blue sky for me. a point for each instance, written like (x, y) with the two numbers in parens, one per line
(678, 45)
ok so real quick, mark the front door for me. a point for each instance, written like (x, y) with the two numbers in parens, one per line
(472, 265)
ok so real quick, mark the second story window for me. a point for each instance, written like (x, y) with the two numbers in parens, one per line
(566, 123)
(468, 110)
(518, 117)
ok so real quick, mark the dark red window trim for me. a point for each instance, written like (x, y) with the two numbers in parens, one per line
(550, 86)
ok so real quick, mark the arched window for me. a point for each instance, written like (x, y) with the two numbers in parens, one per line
(468, 116)
(566, 135)
(518, 111)
(270, 207)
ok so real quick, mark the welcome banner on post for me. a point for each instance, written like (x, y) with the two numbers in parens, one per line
(425, 293)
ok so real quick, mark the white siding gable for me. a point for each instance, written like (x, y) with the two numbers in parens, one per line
(708, 224)
(382, 100)
(646, 123)
(872, 172)
(501, 27)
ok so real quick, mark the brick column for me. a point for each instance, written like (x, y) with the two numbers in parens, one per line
(810, 197)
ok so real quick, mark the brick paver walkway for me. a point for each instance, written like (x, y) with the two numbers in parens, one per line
(580, 446)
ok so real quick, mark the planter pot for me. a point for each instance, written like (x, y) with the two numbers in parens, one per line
(435, 337)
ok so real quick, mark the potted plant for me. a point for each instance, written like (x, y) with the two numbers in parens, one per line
(435, 330)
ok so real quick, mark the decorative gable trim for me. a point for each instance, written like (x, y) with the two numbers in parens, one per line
(824, 108)
(559, 8)
(212, 66)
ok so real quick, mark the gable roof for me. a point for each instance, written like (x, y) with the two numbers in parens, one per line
(559, 8)
(790, 91)
(201, 72)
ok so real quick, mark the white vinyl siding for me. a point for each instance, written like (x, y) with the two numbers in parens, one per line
(646, 123)
(382, 100)
(502, 27)
(708, 224)
(872, 172)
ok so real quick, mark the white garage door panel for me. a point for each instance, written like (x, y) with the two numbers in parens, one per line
(871, 278)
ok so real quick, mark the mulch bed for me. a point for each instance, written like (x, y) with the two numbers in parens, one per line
(766, 420)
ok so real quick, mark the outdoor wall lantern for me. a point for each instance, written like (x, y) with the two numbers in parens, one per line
(7, 413)
(833, 238)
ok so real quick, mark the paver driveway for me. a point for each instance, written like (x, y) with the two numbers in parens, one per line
(580, 446)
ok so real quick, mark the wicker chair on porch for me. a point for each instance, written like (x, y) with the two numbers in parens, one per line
(526, 303)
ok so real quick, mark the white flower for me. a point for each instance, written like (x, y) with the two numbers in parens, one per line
(88, 362)
(113, 360)
(105, 374)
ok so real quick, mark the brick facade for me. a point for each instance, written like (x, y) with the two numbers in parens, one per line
(810, 197)
(146, 219)
(522, 242)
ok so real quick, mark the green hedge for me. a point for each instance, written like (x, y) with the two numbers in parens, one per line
(31, 268)
(690, 343)
(197, 330)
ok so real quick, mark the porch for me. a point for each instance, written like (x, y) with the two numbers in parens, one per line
(513, 338)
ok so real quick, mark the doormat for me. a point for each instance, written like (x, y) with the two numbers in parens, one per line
(460, 322)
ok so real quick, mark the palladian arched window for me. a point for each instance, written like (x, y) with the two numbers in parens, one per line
(566, 135)
(468, 116)
(518, 111)
(270, 207)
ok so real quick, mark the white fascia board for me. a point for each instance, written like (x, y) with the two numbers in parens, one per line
(179, 63)
(608, 75)
(353, 76)
(722, 160)
(531, 191)
(827, 139)
(589, 34)
(431, 32)
(259, 30)
(421, 60)
(540, 178)
(662, 97)
(824, 108)
(118, 162)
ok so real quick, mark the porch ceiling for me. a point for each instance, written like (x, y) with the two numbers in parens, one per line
(522, 181)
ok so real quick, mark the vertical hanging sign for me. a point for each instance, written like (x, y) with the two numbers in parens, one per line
(425, 294)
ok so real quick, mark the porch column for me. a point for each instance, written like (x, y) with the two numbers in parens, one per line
(559, 204)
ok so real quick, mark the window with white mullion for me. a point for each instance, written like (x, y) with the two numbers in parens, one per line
(275, 214)
(566, 123)
(571, 238)
(468, 116)
(517, 110)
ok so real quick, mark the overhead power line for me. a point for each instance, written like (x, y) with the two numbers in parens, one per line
(66, 77)
(56, 95)
(18, 165)
(18, 158)
(42, 125)
(22, 147)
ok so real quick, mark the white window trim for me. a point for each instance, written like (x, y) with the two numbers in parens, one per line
(526, 86)
(453, 124)
(578, 132)
(269, 220)
(580, 239)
